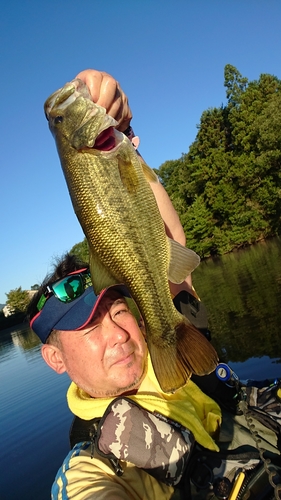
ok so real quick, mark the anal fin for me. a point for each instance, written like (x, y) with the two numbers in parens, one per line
(182, 261)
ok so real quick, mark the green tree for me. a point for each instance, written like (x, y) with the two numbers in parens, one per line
(18, 300)
(227, 188)
(198, 225)
(81, 250)
(235, 84)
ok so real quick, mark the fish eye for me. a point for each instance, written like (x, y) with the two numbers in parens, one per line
(58, 119)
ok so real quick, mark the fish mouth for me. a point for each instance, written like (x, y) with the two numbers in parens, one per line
(106, 140)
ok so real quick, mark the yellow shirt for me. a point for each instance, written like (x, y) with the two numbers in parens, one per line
(189, 406)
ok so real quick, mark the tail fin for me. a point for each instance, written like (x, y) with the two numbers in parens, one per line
(174, 363)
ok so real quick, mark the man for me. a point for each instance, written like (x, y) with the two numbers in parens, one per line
(100, 343)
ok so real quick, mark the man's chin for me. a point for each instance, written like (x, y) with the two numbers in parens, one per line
(133, 386)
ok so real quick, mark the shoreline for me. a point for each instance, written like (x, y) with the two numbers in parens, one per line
(17, 326)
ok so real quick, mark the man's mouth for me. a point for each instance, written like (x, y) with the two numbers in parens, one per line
(124, 360)
(105, 141)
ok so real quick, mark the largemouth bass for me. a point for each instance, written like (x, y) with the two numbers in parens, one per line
(115, 205)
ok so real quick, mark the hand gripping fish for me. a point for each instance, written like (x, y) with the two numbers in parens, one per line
(111, 196)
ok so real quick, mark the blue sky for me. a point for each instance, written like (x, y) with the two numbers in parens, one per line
(168, 55)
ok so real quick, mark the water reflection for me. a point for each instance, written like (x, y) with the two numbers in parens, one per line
(34, 418)
(17, 337)
(242, 293)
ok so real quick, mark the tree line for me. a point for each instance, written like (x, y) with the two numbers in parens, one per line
(17, 302)
(227, 187)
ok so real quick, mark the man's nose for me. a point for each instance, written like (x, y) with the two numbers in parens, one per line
(115, 333)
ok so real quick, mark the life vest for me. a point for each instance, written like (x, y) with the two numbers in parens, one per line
(167, 451)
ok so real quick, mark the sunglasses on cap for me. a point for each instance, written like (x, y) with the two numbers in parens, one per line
(67, 289)
(70, 304)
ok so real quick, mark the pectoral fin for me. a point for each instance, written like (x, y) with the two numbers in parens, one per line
(149, 174)
(128, 175)
(182, 261)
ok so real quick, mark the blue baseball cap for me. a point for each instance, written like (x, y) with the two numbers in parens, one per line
(74, 315)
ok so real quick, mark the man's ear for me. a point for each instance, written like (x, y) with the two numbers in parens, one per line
(53, 357)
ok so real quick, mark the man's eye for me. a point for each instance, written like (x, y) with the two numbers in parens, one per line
(120, 311)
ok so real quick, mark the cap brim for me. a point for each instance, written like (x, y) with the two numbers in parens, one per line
(74, 315)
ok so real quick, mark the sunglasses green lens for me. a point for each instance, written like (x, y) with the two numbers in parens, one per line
(71, 287)
(68, 288)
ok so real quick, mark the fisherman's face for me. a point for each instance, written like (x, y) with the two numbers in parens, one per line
(109, 357)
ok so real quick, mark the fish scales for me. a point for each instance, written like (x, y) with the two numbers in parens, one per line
(127, 228)
(125, 232)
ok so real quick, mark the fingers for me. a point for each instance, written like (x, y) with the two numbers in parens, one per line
(106, 91)
(101, 85)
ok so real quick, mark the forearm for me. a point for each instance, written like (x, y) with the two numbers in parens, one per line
(173, 227)
(169, 215)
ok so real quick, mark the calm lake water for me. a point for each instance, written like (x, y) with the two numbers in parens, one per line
(242, 292)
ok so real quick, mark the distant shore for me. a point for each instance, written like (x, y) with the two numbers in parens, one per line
(18, 326)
